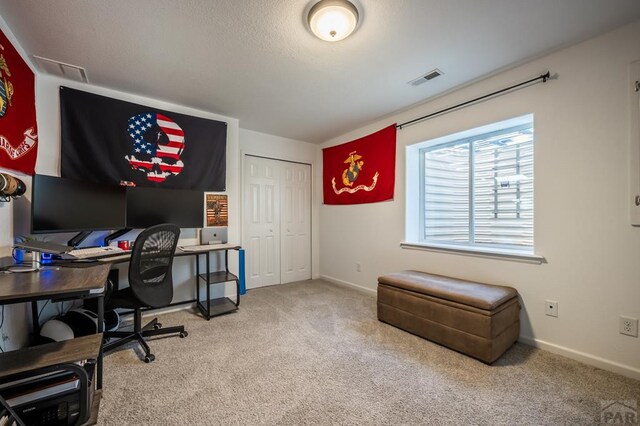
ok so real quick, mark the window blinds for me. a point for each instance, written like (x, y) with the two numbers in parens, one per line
(479, 191)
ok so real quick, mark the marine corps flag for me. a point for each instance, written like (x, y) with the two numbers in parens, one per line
(360, 171)
(110, 141)
(18, 130)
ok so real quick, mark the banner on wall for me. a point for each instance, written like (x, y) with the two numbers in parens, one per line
(110, 141)
(18, 129)
(360, 171)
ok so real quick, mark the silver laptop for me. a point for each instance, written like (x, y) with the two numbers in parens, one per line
(214, 235)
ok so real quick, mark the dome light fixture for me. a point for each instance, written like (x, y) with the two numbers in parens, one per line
(333, 20)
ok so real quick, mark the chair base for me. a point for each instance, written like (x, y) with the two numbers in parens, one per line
(138, 334)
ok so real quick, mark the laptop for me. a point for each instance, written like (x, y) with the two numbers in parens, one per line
(213, 235)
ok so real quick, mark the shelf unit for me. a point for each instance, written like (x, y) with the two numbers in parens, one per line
(221, 305)
(52, 357)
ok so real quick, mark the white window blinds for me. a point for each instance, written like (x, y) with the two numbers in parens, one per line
(479, 190)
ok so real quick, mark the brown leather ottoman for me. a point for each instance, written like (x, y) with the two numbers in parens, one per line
(480, 320)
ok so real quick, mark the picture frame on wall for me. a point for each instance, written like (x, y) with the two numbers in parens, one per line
(216, 210)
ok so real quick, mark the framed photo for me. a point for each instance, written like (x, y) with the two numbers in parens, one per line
(217, 210)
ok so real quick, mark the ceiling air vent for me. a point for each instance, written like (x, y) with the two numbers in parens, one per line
(426, 77)
(71, 72)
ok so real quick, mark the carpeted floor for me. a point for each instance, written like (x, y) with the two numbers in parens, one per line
(314, 353)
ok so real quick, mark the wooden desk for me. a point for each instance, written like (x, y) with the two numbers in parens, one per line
(57, 283)
(52, 283)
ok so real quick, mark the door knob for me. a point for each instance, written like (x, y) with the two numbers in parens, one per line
(637, 200)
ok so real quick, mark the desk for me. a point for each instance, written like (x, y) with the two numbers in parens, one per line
(57, 284)
(213, 307)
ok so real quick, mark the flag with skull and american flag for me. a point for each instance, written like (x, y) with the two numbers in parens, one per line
(112, 141)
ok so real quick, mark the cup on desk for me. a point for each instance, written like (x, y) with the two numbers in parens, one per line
(123, 244)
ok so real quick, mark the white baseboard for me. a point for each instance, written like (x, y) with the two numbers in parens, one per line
(366, 290)
(585, 358)
(169, 310)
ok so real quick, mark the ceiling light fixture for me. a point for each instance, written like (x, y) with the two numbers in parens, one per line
(333, 20)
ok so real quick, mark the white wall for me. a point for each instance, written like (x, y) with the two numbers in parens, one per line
(581, 203)
(264, 145)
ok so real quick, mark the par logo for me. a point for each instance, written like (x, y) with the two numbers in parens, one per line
(619, 412)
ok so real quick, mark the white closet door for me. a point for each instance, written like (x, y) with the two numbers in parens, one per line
(296, 222)
(262, 222)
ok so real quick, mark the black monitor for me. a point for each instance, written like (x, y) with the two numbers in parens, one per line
(67, 205)
(152, 206)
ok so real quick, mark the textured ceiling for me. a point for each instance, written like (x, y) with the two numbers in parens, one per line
(255, 59)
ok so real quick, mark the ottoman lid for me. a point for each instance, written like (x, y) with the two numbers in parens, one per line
(482, 296)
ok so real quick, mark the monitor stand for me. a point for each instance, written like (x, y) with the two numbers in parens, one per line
(80, 237)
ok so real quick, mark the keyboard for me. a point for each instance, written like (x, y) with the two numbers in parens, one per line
(93, 253)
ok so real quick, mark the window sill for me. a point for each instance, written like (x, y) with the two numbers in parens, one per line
(514, 256)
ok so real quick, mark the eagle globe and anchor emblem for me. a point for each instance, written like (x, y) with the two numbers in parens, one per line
(6, 88)
(6, 95)
(351, 174)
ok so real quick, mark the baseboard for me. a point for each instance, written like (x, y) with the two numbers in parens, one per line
(360, 288)
(168, 310)
(582, 357)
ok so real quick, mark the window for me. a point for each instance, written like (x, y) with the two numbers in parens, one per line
(476, 188)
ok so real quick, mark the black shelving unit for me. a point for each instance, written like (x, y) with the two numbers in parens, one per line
(222, 305)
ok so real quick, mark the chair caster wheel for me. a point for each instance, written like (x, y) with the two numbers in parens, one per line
(157, 326)
(183, 334)
(149, 358)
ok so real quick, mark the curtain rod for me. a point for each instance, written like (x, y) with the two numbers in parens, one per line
(543, 77)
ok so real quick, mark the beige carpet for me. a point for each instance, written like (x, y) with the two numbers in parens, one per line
(314, 353)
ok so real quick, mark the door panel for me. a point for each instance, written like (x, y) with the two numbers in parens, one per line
(296, 226)
(262, 222)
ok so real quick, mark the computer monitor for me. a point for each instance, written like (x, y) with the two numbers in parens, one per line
(152, 206)
(67, 205)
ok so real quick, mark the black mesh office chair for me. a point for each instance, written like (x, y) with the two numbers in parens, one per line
(150, 286)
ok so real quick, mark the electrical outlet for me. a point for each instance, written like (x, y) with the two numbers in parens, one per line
(551, 308)
(358, 267)
(629, 326)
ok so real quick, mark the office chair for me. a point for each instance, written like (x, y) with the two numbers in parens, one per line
(150, 286)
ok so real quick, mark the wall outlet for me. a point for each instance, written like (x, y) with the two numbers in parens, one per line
(629, 326)
(358, 267)
(551, 308)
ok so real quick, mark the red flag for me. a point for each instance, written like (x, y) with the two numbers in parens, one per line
(18, 130)
(360, 171)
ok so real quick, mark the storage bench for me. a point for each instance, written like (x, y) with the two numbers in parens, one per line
(480, 320)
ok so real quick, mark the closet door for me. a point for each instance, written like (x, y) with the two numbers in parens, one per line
(262, 222)
(296, 222)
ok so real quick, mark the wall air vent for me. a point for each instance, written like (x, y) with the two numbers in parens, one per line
(71, 72)
(426, 77)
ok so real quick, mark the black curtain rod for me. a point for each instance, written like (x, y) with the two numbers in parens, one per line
(543, 77)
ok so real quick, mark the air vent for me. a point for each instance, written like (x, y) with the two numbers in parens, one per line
(426, 77)
(71, 72)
